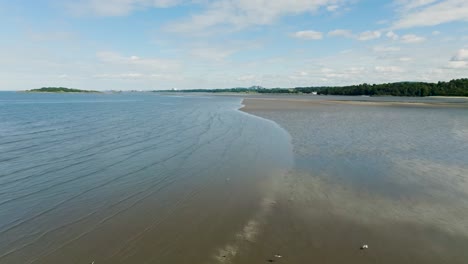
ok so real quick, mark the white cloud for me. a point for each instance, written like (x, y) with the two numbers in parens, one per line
(243, 13)
(332, 8)
(355, 70)
(300, 75)
(137, 62)
(364, 36)
(115, 7)
(341, 33)
(326, 70)
(385, 49)
(412, 4)
(457, 65)
(247, 78)
(410, 38)
(405, 59)
(369, 35)
(343, 74)
(120, 76)
(308, 34)
(436, 33)
(388, 69)
(462, 55)
(211, 53)
(392, 35)
(420, 13)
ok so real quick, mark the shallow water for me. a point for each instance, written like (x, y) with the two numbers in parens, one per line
(133, 178)
(391, 176)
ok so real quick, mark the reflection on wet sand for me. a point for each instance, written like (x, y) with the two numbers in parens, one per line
(392, 177)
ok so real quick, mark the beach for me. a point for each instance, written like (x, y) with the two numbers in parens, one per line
(364, 174)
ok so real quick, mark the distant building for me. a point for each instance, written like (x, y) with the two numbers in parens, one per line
(314, 93)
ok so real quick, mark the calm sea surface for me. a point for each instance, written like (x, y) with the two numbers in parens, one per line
(133, 178)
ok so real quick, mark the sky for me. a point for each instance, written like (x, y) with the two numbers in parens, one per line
(165, 44)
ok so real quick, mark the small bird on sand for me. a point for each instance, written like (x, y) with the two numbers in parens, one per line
(365, 246)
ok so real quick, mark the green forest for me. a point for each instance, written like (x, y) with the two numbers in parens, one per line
(458, 87)
(60, 90)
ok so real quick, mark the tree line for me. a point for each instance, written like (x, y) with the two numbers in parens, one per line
(60, 90)
(457, 87)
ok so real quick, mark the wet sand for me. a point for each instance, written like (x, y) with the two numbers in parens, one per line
(320, 217)
(300, 102)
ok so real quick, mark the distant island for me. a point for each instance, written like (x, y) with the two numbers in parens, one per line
(458, 87)
(59, 90)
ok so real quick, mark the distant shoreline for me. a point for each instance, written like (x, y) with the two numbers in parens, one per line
(59, 90)
(456, 87)
(299, 94)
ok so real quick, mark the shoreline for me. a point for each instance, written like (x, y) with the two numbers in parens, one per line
(233, 249)
(305, 96)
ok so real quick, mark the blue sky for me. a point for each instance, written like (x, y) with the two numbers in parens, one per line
(161, 44)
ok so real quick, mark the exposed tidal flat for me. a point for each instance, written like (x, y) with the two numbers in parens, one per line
(146, 178)
(385, 172)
